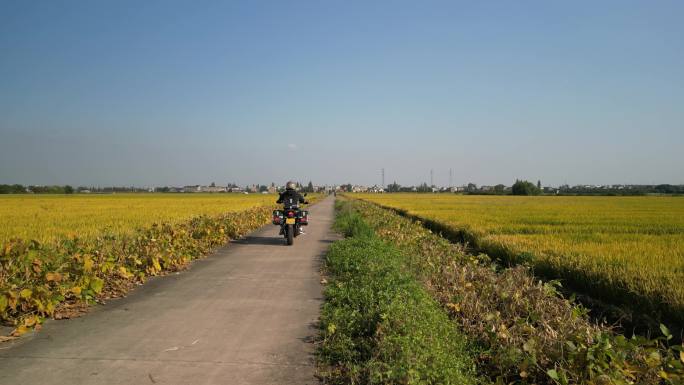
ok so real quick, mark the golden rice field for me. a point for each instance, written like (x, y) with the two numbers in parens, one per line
(47, 217)
(616, 247)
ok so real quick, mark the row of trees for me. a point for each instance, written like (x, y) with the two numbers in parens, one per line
(621, 190)
(309, 188)
(67, 189)
(523, 187)
(12, 189)
(519, 188)
(21, 189)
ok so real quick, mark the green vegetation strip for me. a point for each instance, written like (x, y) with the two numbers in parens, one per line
(527, 333)
(378, 325)
(36, 279)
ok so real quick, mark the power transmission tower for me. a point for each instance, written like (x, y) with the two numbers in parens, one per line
(432, 177)
(383, 178)
(451, 178)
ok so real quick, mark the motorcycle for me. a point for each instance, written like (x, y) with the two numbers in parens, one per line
(290, 221)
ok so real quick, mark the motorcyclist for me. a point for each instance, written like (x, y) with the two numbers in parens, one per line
(290, 197)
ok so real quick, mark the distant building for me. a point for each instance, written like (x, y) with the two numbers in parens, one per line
(192, 189)
(204, 189)
(213, 189)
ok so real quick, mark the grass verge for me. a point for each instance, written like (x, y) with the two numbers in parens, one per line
(378, 325)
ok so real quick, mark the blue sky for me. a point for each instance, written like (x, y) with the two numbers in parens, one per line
(170, 92)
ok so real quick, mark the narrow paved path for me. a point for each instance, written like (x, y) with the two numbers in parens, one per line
(244, 315)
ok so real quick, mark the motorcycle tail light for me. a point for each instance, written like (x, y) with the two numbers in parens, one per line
(290, 214)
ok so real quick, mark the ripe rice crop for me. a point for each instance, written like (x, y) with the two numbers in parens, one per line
(624, 250)
(38, 279)
(49, 217)
(89, 246)
(523, 330)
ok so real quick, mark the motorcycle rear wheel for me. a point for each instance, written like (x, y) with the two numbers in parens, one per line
(289, 232)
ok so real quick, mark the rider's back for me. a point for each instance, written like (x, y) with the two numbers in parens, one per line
(290, 199)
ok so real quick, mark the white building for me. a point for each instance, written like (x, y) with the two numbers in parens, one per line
(213, 189)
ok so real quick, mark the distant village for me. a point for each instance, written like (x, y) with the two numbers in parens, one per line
(234, 188)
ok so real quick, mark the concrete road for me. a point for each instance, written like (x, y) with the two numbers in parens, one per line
(244, 315)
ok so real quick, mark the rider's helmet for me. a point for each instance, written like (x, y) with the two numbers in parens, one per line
(290, 185)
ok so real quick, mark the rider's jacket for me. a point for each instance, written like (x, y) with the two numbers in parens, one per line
(290, 199)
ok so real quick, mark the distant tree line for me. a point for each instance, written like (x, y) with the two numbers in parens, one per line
(523, 187)
(12, 189)
(421, 188)
(309, 188)
(21, 189)
(66, 189)
(621, 190)
(520, 187)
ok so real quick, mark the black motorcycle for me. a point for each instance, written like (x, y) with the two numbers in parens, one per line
(290, 220)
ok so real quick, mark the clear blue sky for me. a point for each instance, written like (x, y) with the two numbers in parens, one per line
(168, 92)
